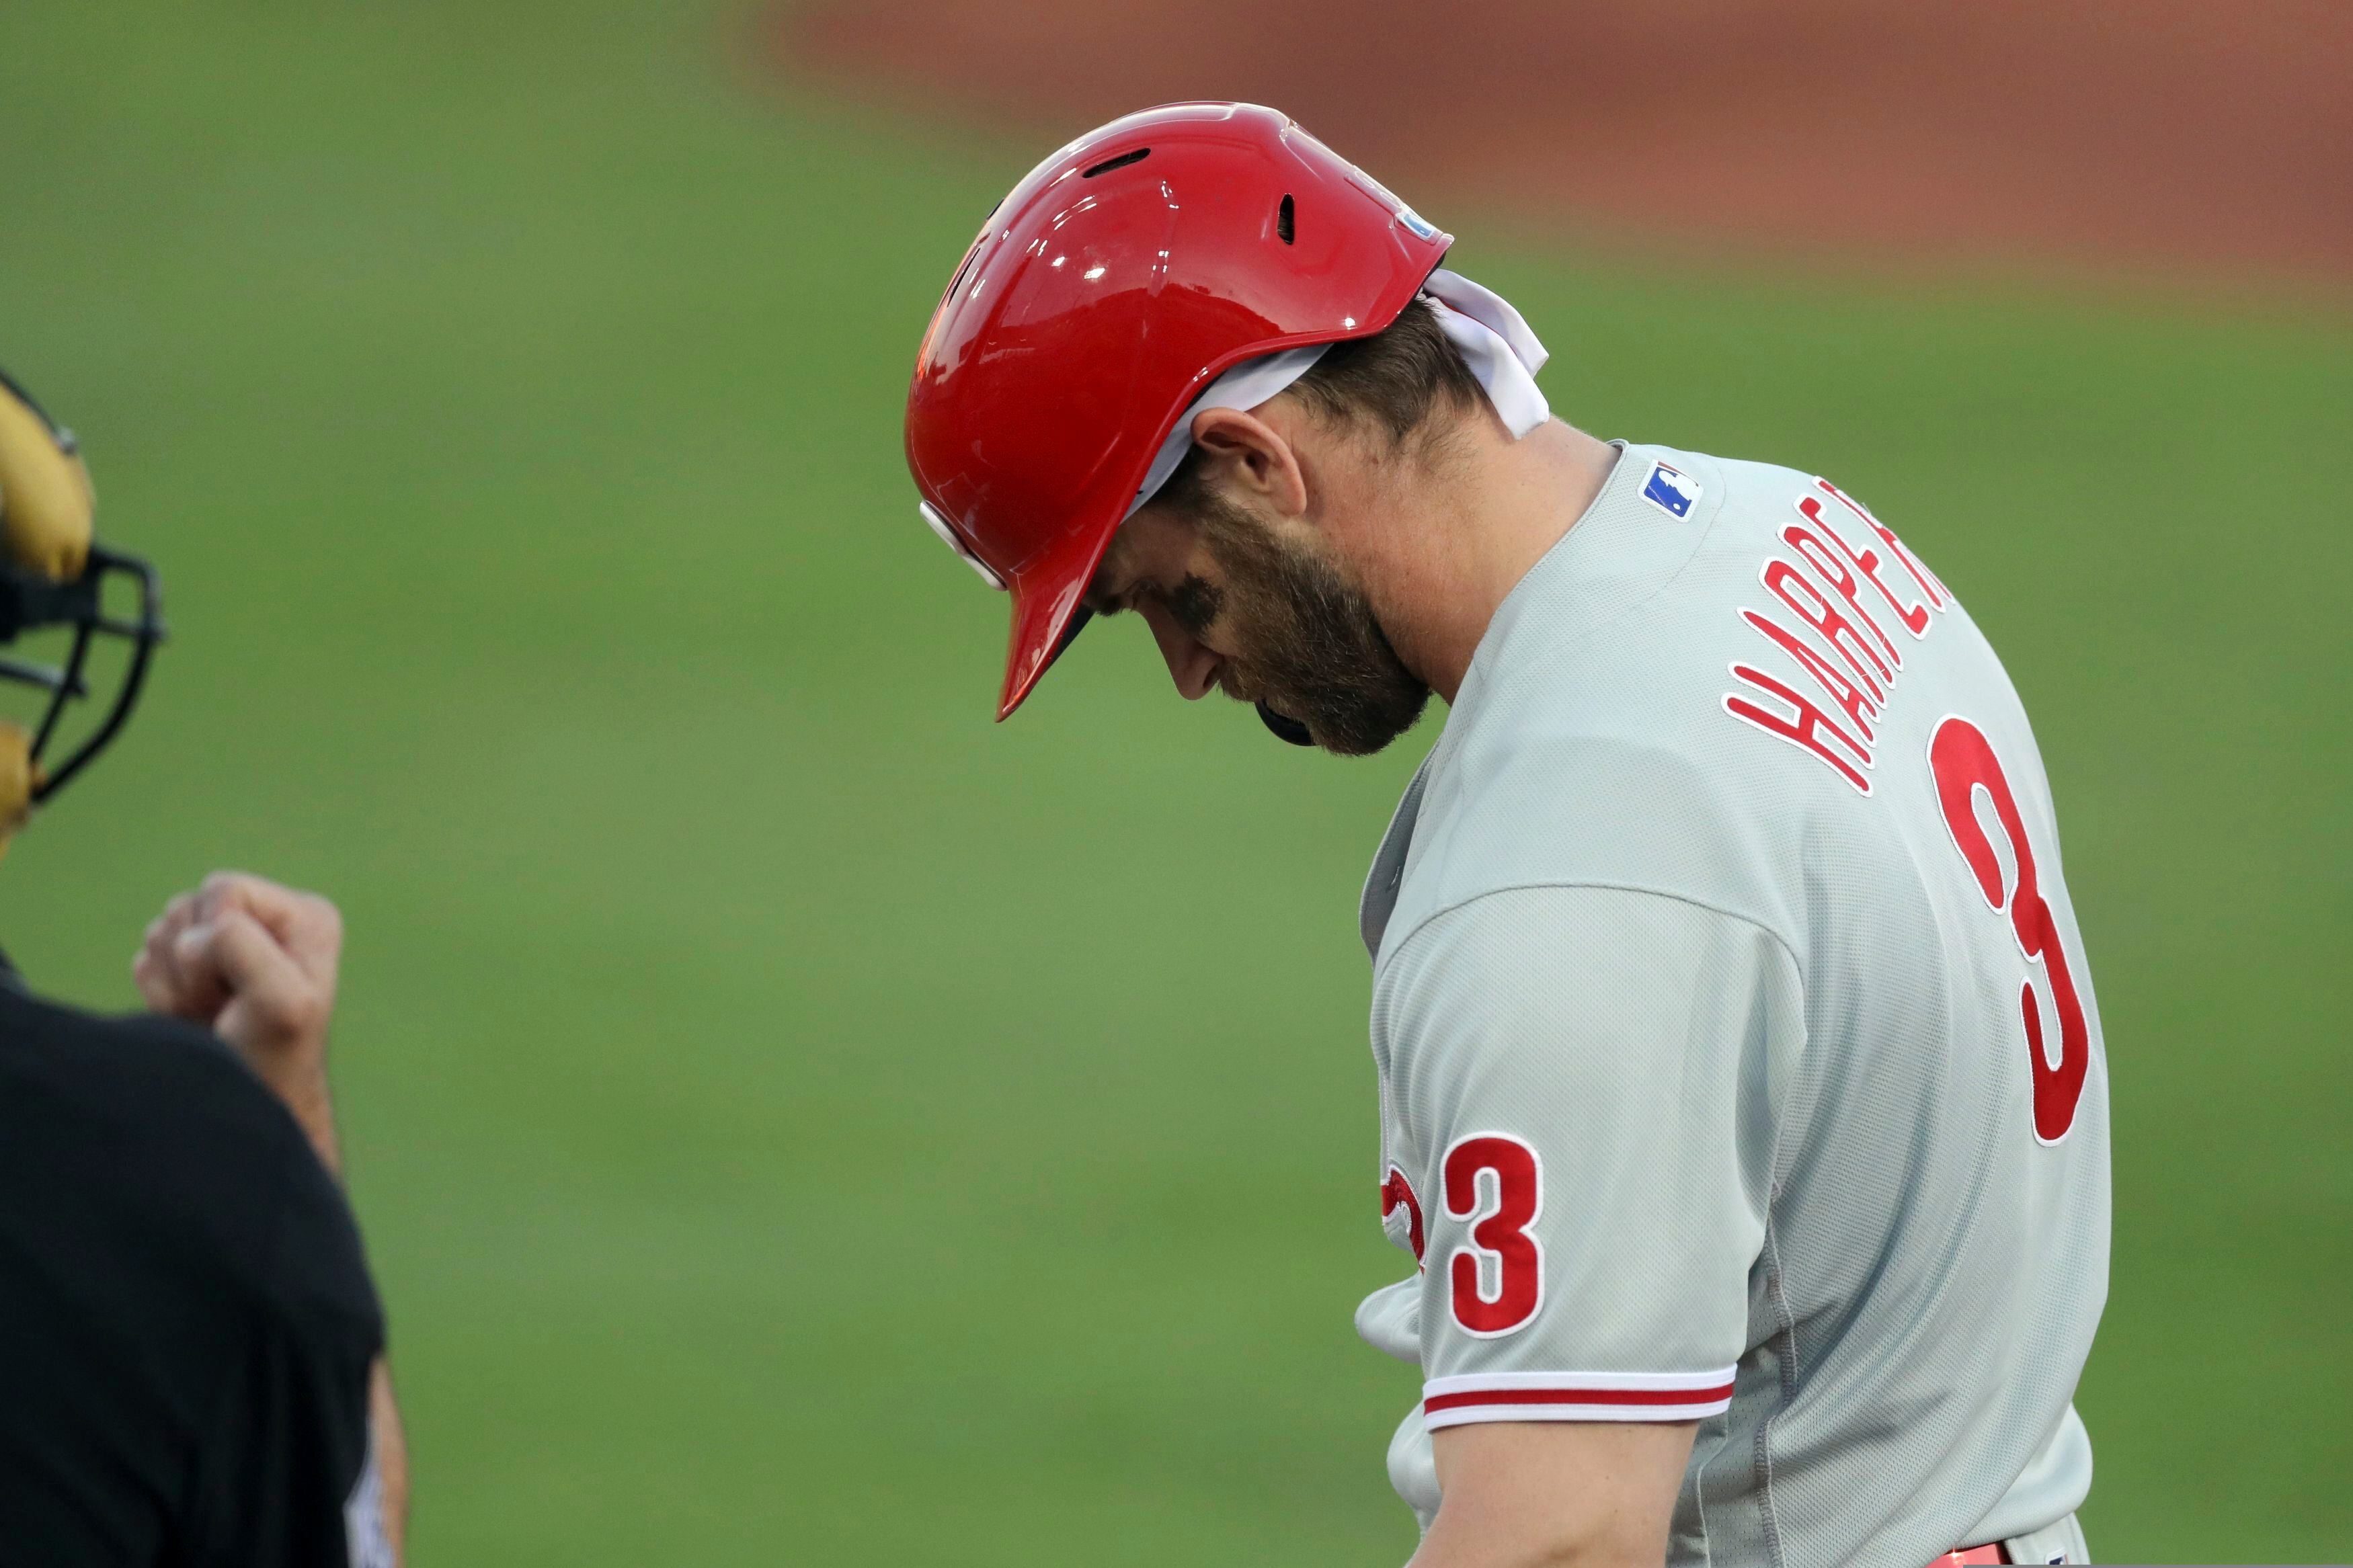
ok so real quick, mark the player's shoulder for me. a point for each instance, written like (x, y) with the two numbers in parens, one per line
(156, 1131)
(1554, 806)
(1590, 745)
(1640, 595)
(117, 1074)
(1703, 488)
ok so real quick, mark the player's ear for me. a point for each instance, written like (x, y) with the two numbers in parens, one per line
(1250, 460)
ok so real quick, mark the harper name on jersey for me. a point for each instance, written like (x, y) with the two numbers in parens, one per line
(1739, 1063)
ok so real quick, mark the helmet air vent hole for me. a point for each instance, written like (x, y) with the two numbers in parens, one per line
(1122, 162)
(1282, 224)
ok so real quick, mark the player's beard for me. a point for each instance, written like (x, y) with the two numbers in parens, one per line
(1313, 649)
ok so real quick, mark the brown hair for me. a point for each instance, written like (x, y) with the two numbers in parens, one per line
(1397, 378)
(1393, 381)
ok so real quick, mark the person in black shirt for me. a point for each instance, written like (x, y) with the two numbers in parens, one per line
(191, 1347)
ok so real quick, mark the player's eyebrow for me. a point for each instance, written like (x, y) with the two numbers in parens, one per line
(1194, 604)
(1106, 594)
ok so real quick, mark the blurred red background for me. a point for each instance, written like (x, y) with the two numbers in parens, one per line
(2201, 138)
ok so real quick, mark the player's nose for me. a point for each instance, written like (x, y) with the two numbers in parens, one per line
(1192, 665)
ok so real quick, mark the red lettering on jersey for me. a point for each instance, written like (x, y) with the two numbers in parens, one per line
(1806, 725)
(1857, 702)
(1499, 1232)
(1811, 605)
(1963, 761)
(1851, 637)
(1866, 561)
(1397, 1192)
(1938, 596)
(1830, 565)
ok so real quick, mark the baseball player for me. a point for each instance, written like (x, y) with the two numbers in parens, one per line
(1743, 1108)
(191, 1350)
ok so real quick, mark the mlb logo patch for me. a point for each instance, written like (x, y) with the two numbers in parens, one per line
(1671, 490)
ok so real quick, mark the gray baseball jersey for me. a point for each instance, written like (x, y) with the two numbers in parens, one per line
(1738, 1057)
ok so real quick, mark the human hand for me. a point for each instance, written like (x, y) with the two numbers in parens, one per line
(255, 963)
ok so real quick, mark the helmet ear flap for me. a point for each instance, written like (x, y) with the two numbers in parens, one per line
(45, 500)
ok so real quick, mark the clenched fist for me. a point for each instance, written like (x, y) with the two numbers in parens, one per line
(255, 963)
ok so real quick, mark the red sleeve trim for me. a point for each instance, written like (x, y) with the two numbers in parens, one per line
(1580, 1397)
(1576, 1397)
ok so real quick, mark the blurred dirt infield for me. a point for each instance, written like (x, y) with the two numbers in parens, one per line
(2177, 136)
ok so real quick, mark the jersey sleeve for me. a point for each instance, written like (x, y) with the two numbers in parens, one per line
(285, 1473)
(1584, 1080)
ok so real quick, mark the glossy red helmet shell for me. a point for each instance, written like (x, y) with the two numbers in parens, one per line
(1122, 275)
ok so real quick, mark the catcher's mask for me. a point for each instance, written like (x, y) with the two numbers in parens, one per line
(55, 579)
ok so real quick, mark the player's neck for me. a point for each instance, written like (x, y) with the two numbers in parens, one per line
(1469, 532)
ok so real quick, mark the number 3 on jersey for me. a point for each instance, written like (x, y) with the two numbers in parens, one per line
(1963, 761)
(1496, 1280)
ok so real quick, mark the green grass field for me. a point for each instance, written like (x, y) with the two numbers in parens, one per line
(797, 1121)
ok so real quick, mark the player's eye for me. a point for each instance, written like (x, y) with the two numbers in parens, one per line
(1103, 600)
(1194, 604)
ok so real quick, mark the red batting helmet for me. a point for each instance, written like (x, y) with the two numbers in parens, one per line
(1122, 275)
